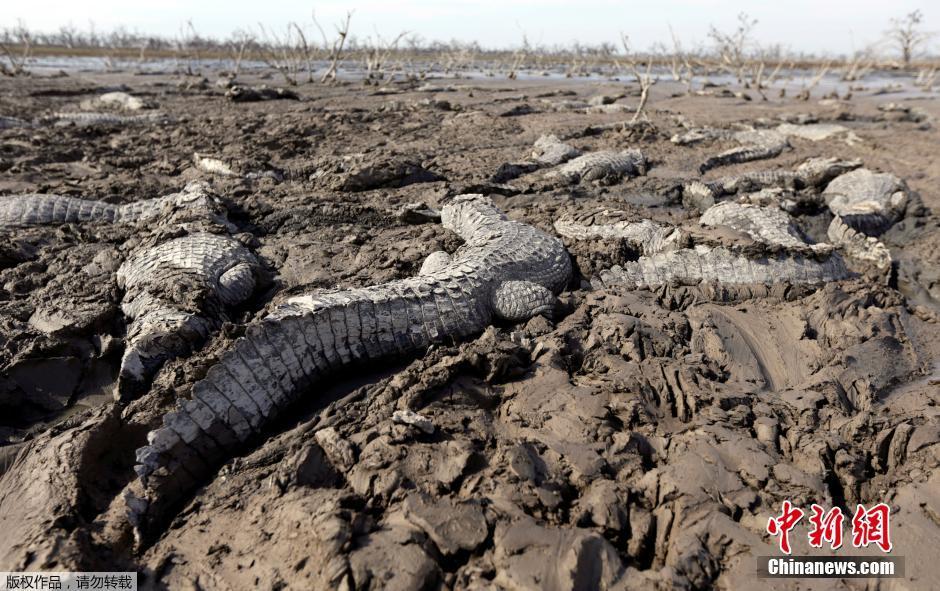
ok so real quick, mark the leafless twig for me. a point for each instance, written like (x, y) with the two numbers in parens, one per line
(336, 48)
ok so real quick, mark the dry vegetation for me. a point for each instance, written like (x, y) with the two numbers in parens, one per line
(297, 57)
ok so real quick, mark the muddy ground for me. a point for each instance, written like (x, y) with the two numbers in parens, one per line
(639, 439)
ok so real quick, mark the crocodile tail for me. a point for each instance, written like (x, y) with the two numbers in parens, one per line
(254, 381)
(272, 365)
(690, 267)
(38, 209)
(858, 245)
(742, 154)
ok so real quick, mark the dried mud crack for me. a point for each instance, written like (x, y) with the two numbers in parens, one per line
(353, 341)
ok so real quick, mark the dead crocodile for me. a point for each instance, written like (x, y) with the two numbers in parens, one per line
(605, 167)
(644, 236)
(756, 145)
(867, 201)
(692, 266)
(13, 122)
(864, 205)
(230, 167)
(812, 131)
(35, 209)
(547, 151)
(90, 119)
(176, 294)
(814, 173)
(858, 246)
(118, 101)
(505, 269)
(768, 225)
(247, 94)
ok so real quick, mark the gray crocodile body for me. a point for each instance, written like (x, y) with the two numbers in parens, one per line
(809, 131)
(602, 167)
(35, 209)
(86, 119)
(858, 246)
(740, 155)
(505, 269)
(645, 236)
(176, 294)
(548, 150)
(755, 145)
(768, 225)
(700, 134)
(867, 201)
(13, 122)
(815, 173)
(721, 265)
(706, 192)
(119, 101)
(221, 166)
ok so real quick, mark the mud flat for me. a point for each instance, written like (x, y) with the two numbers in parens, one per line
(634, 436)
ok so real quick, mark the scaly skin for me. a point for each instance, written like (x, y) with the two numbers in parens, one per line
(217, 165)
(755, 145)
(700, 134)
(769, 225)
(505, 269)
(92, 119)
(603, 167)
(867, 201)
(692, 266)
(858, 246)
(34, 209)
(548, 150)
(551, 151)
(814, 173)
(218, 269)
(809, 131)
(116, 101)
(741, 154)
(645, 236)
(12, 122)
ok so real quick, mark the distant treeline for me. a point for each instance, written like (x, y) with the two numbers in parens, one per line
(294, 49)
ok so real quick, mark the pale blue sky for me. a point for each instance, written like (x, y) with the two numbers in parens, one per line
(833, 26)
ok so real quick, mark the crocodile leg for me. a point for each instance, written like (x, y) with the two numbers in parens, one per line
(167, 320)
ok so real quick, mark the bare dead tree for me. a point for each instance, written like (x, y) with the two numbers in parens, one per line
(732, 47)
(804, 94)
(336, 47)
(289, 55)
(906, 33)
(186, 49)
(68, 34)
(519, 57)
(686, 72)
(302, 50)
(926, 79)
(16, 49)
(378, 52)
(238, 45)
(859, 66)
(777, 69)
(644, 79)
(142, 55)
